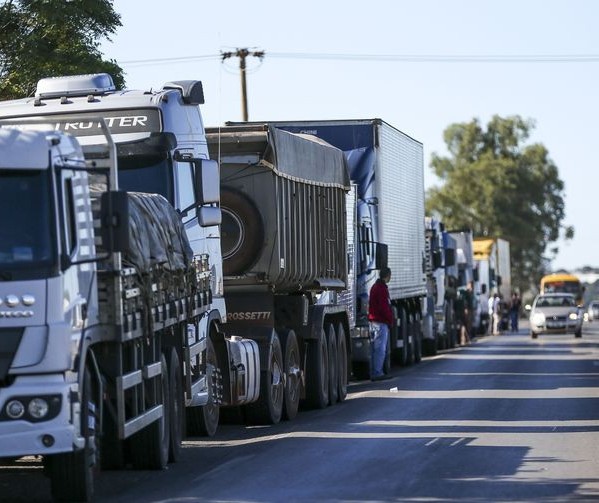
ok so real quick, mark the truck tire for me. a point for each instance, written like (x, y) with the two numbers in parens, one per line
(203, 421)
(343, 372)
(150, 446)
(333, 364)
(175, 405)
(317, 372)
(411, 340)
(402, 354)
(242, 231)
(72, 473)
(268, 409)
(417, 339)
(293, 375)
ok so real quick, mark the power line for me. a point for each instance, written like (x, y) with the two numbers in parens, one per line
(405, 58)
(445, 58)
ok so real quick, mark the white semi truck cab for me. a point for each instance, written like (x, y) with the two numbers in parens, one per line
(109, 306)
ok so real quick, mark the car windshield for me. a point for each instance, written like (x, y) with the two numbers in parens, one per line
(563, 287)
(26, 239)
(554, 301)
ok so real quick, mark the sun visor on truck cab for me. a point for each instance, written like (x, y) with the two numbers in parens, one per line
(303, 157)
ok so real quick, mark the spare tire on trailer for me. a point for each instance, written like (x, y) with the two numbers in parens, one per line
(242, 231)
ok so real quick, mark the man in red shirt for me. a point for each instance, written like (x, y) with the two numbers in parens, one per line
(380, 317)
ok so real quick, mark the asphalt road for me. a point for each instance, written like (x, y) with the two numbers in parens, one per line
(506, 419)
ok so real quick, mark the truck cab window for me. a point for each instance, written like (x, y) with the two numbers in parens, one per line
(70, 237)
(151, 174)
(186, 196)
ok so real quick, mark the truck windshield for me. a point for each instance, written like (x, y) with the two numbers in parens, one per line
(26, 237)
(143, 173)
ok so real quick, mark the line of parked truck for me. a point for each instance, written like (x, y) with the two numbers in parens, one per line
(154, 272)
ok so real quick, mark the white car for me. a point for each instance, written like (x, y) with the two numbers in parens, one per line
(555, 313)
(593, 310)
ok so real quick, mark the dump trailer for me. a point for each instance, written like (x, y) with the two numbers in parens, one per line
(102, 300)
(285, 262)
(386, 165)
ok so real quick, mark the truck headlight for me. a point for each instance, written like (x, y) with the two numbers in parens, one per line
(538, 319)
(15, 409)
(38, 408)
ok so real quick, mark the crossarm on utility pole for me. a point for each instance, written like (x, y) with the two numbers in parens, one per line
(242, 54)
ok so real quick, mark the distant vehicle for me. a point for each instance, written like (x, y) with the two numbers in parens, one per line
(555, 313)
(562, 283)
(593, 310)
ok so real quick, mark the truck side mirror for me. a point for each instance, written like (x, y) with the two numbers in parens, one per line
(207, 181)
(381, 255)
(115, 221)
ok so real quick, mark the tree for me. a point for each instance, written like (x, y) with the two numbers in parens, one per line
(497, 186)
(46, 38)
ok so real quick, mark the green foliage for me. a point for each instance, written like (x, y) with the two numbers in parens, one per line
(47, 38)
(497, 186)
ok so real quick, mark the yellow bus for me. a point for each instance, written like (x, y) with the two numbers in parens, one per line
(562, 283)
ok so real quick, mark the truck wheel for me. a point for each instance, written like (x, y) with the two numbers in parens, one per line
(417, 339)
(175, 404)
(403, 353)
(333, 365)
(242, 231)
(293, 375)
(317, 372)
(269, 407)
(72, 473)
(112, 447)
(203, 421)
(411, 340)
(342, 357)
(150, 446)
(361, 370)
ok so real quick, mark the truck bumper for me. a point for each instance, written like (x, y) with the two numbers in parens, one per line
(22, 437)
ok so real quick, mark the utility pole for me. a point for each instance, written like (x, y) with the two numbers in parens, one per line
(242, 54)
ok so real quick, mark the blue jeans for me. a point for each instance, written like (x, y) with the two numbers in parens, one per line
(514, 319)
(379, 335)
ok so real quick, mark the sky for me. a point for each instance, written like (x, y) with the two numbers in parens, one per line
(419, 65)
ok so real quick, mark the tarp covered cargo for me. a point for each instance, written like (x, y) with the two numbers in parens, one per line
(283, 203)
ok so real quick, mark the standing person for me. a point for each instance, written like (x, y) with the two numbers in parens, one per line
(380, 318)
(496, 313)
(515, 311)
(483, 309)
(462, 314)
(490, 304)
